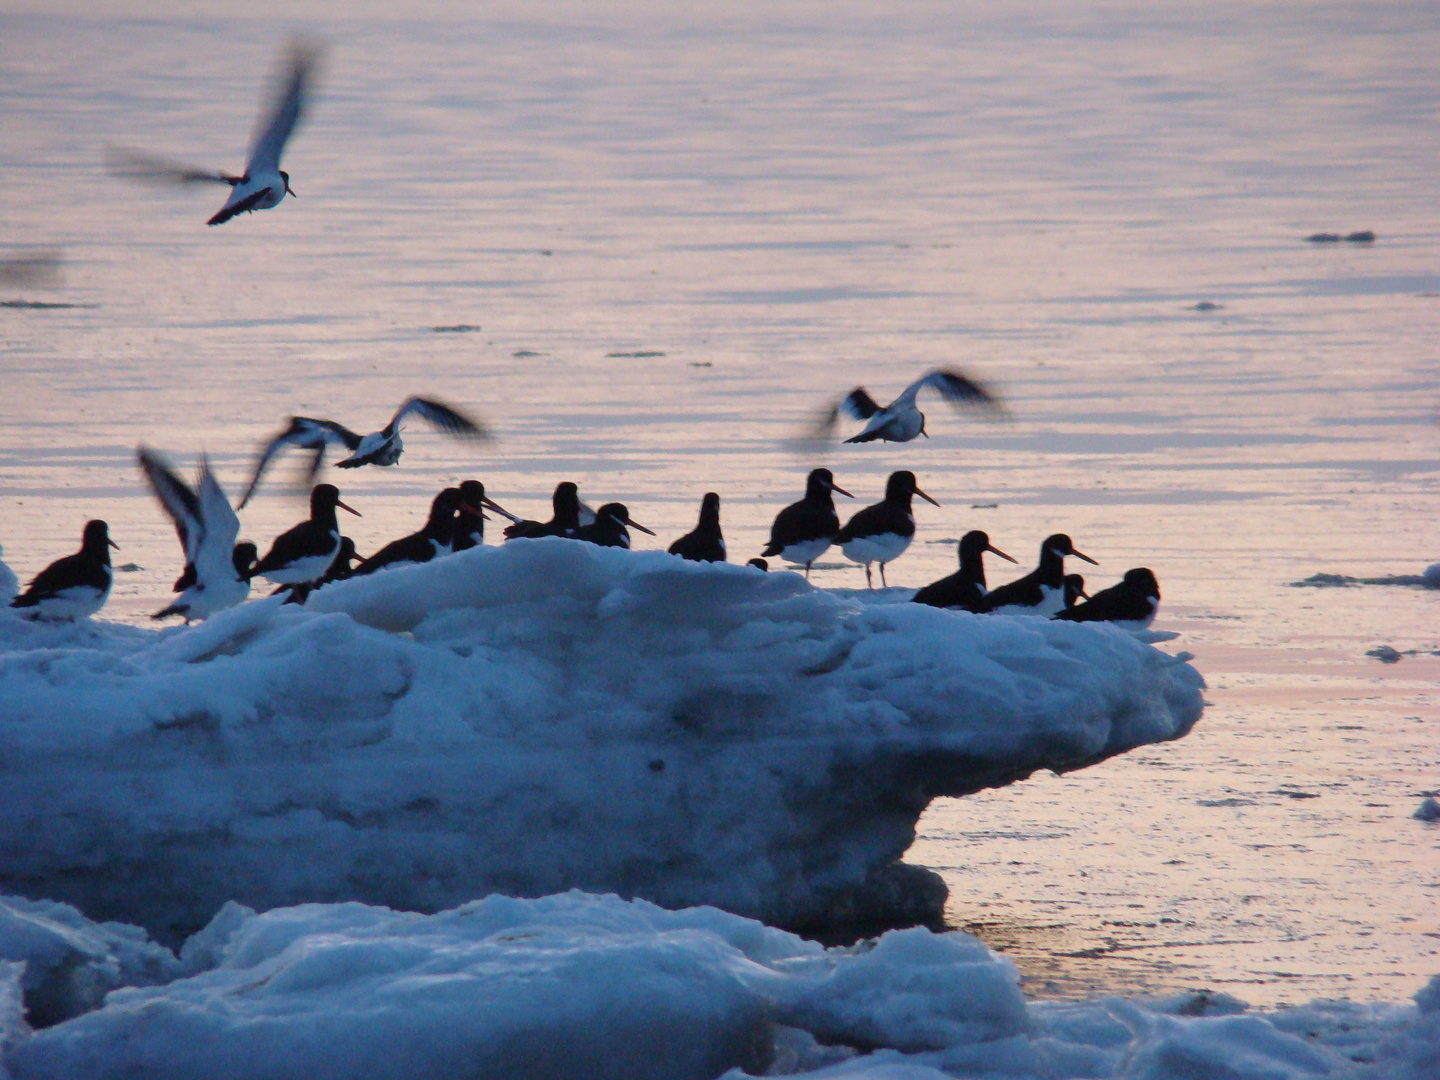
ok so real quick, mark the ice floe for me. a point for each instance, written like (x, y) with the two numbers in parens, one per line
(533, 718)
(579, 985)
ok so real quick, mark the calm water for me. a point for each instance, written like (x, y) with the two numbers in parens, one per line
(778, 208)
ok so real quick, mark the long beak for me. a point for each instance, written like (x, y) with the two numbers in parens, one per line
(927, 498)
(491, 504)
(112, 543)
(996, 551)
(289, 190)
(352, 510)
(1082, 555)
(637, 525)
(1083, 594)
(473, 511)
(842, 491)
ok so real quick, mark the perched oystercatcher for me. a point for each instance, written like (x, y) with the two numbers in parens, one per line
(608, 528)
(1042, 591)
(217, 569)
(1074, 591)
(1133, 602)
(382, 447)
(303, 555)
(882, 532)
(703, 543)
(470, 525)
(901, 421)
(76, 586)
(964, 589)
(804, 530)
(339, 570)
(432, 540)
(564, 517)
(263, 184)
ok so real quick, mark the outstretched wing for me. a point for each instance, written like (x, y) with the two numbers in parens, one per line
(179, 501)
(858, 404)
(304, 432)
(954, 387)
(138, 165)
(214, 557)
(451, 421)
(287, 105)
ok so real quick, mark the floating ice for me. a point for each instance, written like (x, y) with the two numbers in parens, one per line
(1429, 810)
(594, 986)
(538, 717)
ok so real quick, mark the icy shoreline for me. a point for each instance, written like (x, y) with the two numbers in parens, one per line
(539, 717)
(583, 985)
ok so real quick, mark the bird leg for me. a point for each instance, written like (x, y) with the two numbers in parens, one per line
(868, 583)
(883, 583)
(807, 571)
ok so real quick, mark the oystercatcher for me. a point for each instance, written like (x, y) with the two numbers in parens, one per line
(432, 540)
(303, 555)
(1042, 591)
(704, 543)
(901, 421)
(608, 528)
(804, 530)
(964, 589)
(564, 518)
(1133, 602)
(882, 532)
(76, 586)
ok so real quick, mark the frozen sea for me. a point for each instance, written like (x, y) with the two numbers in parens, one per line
(674, 235)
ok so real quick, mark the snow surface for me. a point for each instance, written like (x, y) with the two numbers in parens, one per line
(583, 985)
(537, 717)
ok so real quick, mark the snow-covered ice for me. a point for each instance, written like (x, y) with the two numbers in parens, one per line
(537, 717)
(583, 985)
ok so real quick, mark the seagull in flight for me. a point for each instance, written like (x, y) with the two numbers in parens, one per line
(901, 421)
(217, 570)
(263, 184)
(382, 447)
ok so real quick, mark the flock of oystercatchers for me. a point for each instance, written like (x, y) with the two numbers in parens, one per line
(218, 571)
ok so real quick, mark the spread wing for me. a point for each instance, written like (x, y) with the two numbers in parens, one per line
(954, 387)
(818, 433)
(451, 421)
(305, 433)
(858, 404)
(214, 559)
(179, 501)
(138, 165)
(287, 105)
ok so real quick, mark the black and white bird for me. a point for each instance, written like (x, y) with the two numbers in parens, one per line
(964, 589)
(1132, 603)
(882, 532)
(803, 531)
(759, 564)
(263, 184)
(703, 543)
(1074, 591)
(217, 569)
(341, 569)
(382, 447)
(303, 555)
(901, 420)
(1042, 591)
(564, 517)
(608, 528)
(432, 540)
(76, 586)
(470, 524)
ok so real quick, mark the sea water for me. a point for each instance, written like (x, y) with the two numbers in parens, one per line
(648, 247)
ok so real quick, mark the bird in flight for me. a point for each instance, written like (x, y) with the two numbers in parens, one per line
(901, 420)
(263, 184)
(382, 447)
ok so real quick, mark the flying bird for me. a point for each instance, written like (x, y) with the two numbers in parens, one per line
(382, 447)
(263, 184)
(217, 569)
(901, 420)
(76, 586)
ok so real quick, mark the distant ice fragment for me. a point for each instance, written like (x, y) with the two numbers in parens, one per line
(1208, 305)
(1385, 654)
(1429, 810)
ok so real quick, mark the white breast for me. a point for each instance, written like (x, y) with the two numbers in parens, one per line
(883, 548)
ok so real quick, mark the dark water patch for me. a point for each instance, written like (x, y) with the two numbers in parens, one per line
(524, 354)
(1428, 580)
(42, 305)
(458, 328)
(644, 355)
(1364, 236)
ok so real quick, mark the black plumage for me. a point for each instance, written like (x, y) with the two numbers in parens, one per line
(564, 518)
(1135, 599)
(964, 589)
(608, 528)
(1044, 587)
(704, 543)
(881, 533)
(432, 540)
(303, 555)
(803, 530)
(77, 585)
